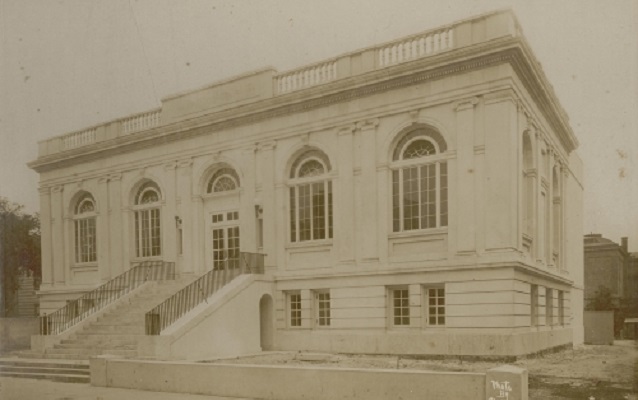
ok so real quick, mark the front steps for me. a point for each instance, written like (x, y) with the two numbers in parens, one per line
(52, 370)
(117, 331)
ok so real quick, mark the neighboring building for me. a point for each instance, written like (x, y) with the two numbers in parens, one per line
(606, 264)
(418, 197)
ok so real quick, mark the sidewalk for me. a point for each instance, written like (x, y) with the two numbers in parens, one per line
(29, 389)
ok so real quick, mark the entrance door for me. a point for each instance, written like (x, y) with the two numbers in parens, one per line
(225, 236)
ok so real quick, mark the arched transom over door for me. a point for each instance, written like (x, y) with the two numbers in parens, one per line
(222, 219)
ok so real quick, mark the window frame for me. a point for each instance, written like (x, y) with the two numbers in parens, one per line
(325, 320)
(393, 308)
(83, 222)
(426, 306)
(144, 246)
(294, 322)
(308, 212)
(399, 167)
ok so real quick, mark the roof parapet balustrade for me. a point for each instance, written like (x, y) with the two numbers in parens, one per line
(305, 77)
(141, 122)
(417, 46)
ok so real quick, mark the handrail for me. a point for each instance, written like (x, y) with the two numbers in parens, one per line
(173, 308)
(77, 310)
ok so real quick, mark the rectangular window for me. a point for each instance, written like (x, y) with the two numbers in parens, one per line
(534, 305)
(294, 309)
(419, 197)
(322, 308)
(85, 240)
(549, 307)
(147, 232)
(561, 307)
(311, 211)
(435, 300)
(400, 298)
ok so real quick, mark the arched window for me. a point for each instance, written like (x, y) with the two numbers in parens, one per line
(556, 217)
(148, 239)
(419, 182)
(223, 180)
(310, 198)
(84, 216)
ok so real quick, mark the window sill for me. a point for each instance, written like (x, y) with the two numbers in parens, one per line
(310, 245)
(91, 265)
(419, 233)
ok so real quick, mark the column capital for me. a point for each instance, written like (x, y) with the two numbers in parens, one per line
(346, 130)
(44, 190)
(57, 189)
(368, 124)
(466, 104)
(102, 180)
(185, 163)
(115, 177)
(269, 145)
(170, 165)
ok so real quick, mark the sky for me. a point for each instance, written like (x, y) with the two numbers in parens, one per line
(66, 65)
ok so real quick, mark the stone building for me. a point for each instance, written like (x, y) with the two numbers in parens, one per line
(421, 196)
(606, 264)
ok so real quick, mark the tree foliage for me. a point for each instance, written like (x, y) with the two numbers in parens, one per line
(19, 249)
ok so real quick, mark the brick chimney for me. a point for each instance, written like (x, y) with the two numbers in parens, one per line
(624, 243)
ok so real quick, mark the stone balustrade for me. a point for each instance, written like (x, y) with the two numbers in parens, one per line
(248, 88)
(78, 139)
(305, 77)
(415, 47)
(141, 122)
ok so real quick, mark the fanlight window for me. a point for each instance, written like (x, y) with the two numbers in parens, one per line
(148, 241)
(224, 180)
(310, 198)
(419, 182)
(85, 230)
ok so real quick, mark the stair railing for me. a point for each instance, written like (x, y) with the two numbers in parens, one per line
(77, 310)
(173, 308)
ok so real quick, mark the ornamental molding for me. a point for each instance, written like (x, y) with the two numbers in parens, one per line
(57, 189)
(185, 163)
(513, 51)
(368, 125)
(466, 104)
(346, 130)
(171, 165)
(269, 145)
(115, 177)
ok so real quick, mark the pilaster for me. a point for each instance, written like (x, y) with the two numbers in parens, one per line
(266, 153)
(57, 223)
(344, 211)
(169, 225)
(118, 230)
(185, 207)
(46, 236)
(367, 190)
(103, 229)
(247, 213)
(465, 181)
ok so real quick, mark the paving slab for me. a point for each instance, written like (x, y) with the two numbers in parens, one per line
(29, 389)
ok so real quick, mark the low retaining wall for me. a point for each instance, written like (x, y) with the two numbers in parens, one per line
(15, 333)
(309, 383)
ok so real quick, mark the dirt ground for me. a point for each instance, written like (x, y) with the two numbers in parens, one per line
(586, 372)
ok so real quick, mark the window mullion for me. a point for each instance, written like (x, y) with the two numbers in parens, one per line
(401, 225)
(297, 214)
(437, 191)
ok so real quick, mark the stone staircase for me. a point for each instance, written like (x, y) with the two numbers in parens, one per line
(115, 332)
(58, 371)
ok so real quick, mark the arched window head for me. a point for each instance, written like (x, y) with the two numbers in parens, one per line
(311, 168)
(85, 234)
(85, 205)
(419, 181)
(310, 197)
(418, 148)
(311, 163)
(223, 180)
(148, 193)
(148, 238)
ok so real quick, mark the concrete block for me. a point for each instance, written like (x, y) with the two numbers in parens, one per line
(506, 382)
(98, 367)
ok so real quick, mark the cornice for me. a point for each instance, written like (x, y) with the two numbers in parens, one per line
(510, 50)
